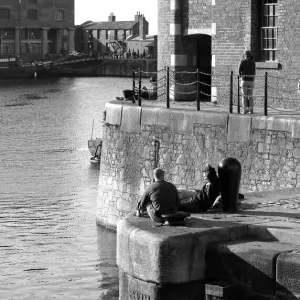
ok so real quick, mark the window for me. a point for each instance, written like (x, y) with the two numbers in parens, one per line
(268, 28)
(8, 34)
(4, 13)
(59, 15)
(98, 34)
(32, 14)
(32, 1)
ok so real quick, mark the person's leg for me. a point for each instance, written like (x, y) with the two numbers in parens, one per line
(153, 216)
(186, 194)
(191, 206)
(250, 96)
(244, 96)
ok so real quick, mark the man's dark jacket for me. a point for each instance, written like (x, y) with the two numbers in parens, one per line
(162, 195)
(247, 69)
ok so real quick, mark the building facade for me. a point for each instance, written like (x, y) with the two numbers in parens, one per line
(115, 37)
(212, 35)
(35, 29)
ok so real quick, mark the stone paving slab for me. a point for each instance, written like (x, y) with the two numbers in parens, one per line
(269, 215)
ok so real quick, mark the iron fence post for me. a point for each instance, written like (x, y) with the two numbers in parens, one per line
(140, 85)
(133, 84)
(266, 95)
(231, 92)
(168, 87)
(238, 97)
(198, 95)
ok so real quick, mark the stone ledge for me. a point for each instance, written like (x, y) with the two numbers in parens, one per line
(113, 113)
(251, 263)
(168, 255)
(271, 123)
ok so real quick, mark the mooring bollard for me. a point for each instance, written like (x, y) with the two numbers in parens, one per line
(229, 171)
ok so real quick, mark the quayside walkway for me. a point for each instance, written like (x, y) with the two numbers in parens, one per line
(251, 254)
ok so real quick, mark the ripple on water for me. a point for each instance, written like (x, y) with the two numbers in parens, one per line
(50, 246)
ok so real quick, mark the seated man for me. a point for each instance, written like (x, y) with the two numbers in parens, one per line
(161, 197)
(201, 200)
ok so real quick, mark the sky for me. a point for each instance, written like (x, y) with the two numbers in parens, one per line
(124, 10)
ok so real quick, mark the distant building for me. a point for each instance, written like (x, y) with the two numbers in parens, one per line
(34, 28)
(116, 37)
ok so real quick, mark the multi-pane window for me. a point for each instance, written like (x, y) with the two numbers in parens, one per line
(4, 13)
(59, 15)
(269, 21)
(32, 14)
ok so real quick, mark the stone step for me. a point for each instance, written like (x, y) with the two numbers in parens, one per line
(266, 269)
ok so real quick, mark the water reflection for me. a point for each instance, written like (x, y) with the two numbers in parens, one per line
(50, 245)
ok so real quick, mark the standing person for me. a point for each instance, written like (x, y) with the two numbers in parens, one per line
(247, 73)
(161, 197)
(196, 201)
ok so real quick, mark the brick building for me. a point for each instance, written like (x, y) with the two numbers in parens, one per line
(115, 37)
(34, 28)
(212, 35)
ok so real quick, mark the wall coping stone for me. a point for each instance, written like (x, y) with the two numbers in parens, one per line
(113, 113)
(271, 123)
(131, 119)
(239, 128)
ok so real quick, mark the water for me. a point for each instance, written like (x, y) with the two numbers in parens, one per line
(50, 245)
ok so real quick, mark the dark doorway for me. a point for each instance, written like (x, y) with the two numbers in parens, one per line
(204, 65)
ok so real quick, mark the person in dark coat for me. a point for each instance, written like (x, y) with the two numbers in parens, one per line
(161, 197)
(197, 201)
(247, 73)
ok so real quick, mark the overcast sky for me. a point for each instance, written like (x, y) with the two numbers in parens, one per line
(124, 10)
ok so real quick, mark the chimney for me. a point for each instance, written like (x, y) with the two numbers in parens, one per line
(143, 27)
(111, 17)
(137, 16)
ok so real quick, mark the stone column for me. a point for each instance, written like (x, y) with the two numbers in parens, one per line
(17, 42)
(44, 41)
(178, 57)
(71, 42)
(1, 40)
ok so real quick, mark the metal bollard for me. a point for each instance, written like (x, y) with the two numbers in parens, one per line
(229, 171)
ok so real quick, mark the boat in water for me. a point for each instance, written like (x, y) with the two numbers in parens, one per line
(14, 67)
(95, 147)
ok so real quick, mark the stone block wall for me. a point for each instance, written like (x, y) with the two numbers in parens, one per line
(138, 139)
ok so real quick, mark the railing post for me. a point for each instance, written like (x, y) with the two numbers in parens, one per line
(198, 92)
(239, 95)
(168, 87)
(266, 95)
(133, 84)
(231, 92)
(140, 86)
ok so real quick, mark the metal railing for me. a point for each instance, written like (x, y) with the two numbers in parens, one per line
(267, 87)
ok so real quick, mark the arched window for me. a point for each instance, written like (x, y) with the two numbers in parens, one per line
(32, 14)
(4, 13)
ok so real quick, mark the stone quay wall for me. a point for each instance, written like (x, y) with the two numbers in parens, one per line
(138, 139)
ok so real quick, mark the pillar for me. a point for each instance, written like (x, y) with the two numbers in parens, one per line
(71, 42)
(44, 41)
(17, 42)
(1, 40)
